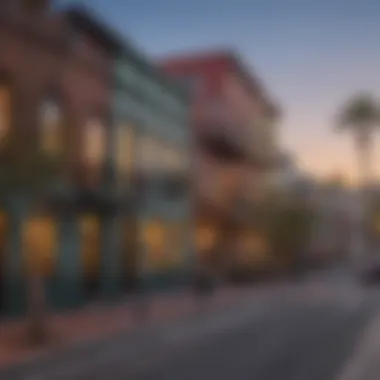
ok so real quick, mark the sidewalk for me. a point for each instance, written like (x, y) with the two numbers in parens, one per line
(96, 322)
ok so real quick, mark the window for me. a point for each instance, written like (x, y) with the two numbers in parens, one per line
(205, 238)
(90, 233)
(5, 110)
(154, 240)
(95, 143)
(40, 239)
(175, 160)
(125, 150)
(51, 126)
(150, 157)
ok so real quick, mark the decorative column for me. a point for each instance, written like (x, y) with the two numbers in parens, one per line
(70, 266)
(111, 250)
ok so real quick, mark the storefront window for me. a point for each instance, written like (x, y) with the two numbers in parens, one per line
(94, 142)
(5, 110)
(51, 126)
(125, 151)
(155, 240)
(40, 242)
(205, 238)
(150, 154)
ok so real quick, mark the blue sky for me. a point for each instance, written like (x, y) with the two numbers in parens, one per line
(311, 55)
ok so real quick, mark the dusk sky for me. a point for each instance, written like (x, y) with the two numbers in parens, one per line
(311, 55)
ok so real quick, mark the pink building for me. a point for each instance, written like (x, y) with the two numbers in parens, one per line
(232, 130)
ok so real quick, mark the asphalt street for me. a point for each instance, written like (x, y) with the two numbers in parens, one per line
(302, 331)
(306, 336)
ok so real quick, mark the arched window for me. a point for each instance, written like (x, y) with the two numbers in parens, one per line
(5, 109)
(95, 142)
(51, 119)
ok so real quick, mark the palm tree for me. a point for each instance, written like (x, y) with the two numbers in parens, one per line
(361, 116)
(26, 172)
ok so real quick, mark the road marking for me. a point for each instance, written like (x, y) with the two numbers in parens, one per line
(364, 364)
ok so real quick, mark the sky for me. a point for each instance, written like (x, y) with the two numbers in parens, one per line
(311, 56)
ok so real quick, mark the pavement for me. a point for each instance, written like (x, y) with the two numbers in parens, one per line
(321, 328)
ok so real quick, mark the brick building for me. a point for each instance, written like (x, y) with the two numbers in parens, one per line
(58, 85)
(55, 91)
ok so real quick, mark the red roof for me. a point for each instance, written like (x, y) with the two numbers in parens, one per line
(188, 62)
(191, 58)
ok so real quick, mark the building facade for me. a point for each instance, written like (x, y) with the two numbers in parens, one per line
(59, 90)
(151, 116)
(233, 124)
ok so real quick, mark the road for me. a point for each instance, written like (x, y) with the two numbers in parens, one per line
(309, 335)
(302, 331)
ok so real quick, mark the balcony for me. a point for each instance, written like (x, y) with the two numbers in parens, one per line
(223, 145)
(102, 198)
(220, 134)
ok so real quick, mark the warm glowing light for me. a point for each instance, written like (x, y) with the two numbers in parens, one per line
(40, 236)
(5, 110)
(205, 238)
(94, 142)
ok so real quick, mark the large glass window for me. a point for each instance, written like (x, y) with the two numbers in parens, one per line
(125, 150)
(40, 242)
(51, 126)
(154, 240)
(95, 143)
(175, 159)
(150, 157)
(5, 110)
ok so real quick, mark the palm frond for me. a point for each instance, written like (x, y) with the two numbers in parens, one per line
(359, 112)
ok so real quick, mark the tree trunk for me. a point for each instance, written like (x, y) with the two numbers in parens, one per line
(359, 246)
(364, 149)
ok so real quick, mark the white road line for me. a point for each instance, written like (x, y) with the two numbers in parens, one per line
(365, 361)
